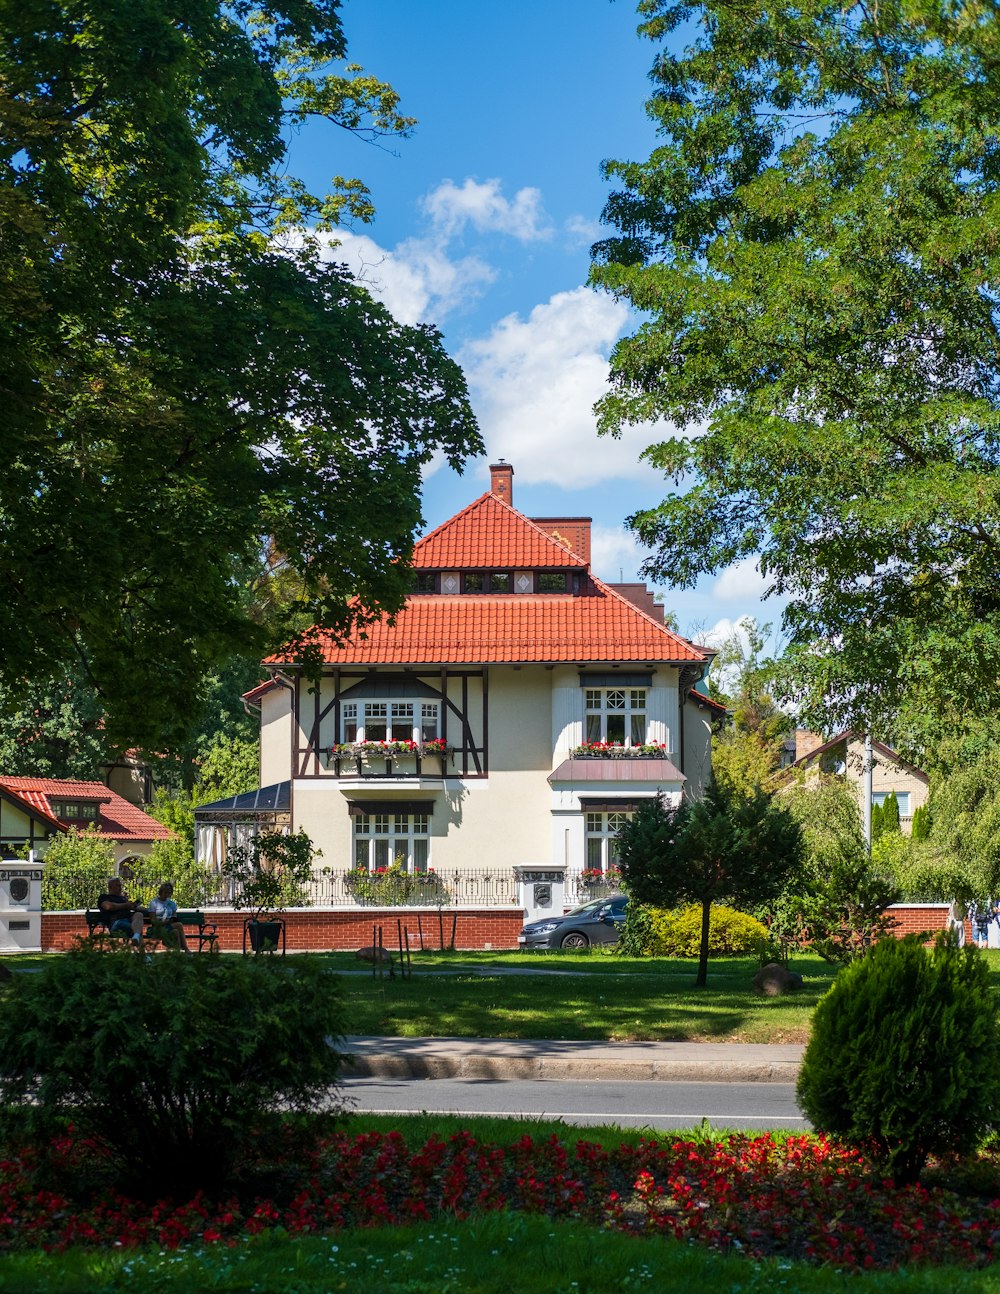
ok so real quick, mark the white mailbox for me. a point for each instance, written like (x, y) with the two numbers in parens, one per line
(20, 905)
(541, 890)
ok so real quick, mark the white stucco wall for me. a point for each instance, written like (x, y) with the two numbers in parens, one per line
(275, 736)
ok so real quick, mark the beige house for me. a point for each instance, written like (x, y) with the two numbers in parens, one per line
(515, 712)
(844, 755)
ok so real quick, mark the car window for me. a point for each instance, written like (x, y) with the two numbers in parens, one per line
(586, 908)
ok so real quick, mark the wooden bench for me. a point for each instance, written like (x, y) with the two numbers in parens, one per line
(194, 923)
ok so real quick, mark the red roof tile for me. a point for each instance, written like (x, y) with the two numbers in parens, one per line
(596, 625)
(118, 820)
(490, 533)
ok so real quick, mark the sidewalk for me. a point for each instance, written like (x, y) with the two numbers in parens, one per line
(520, 1058)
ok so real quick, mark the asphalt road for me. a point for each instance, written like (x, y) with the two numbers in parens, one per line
(749, 1107)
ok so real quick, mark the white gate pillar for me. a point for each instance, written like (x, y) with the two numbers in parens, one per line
(21, 905)
(541, 891)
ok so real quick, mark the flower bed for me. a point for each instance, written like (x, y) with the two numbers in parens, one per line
(802, 1199)
(395, 887)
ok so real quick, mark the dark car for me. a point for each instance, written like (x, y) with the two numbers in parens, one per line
(596, 922)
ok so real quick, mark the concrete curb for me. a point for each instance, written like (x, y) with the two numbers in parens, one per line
(504, 1059)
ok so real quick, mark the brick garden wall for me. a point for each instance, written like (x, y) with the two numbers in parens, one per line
(336, 929)
(326, 930)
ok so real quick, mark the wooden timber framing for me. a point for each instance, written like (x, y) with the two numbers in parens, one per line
(471, 759)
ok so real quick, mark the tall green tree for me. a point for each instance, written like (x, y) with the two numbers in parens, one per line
(186, 372)
(812, 249)
(725, 847)
(746, 754)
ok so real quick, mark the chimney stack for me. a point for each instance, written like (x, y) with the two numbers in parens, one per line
(502, 481)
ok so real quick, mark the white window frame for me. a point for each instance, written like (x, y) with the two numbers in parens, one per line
(605, 706)
(404, 719)
(601, 838)
(391, 839)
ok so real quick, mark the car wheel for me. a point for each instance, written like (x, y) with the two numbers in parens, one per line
(575, 940)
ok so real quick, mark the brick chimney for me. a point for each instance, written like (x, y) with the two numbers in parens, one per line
(502, 481)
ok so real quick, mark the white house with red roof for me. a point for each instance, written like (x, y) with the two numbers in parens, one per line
(514, 712)
(34, 810)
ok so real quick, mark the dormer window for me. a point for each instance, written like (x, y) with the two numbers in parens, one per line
(425, 582)
(616, 715)
(487, 582)
(551, 582)
(76, 810)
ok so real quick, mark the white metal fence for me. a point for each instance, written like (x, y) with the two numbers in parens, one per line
(463, 887)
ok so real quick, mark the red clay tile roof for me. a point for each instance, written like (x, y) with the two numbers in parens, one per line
(118, 820)
(596, 625)
(491, 534)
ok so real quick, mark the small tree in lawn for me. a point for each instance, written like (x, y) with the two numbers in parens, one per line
(726, 847)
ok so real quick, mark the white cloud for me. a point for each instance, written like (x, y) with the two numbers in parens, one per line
(741, 582)
(534, 382)
(615, 554)
(417, 281)
(582, 232)
(483, 206)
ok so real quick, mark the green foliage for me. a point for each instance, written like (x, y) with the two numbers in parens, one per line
(811, 249)
(677, 933)
(878, 821)
(965, 804)
(920, 827)
(230, 766)
(186, 368)
(53, 728)
(270, 872)
(922, 872)
(173, 860)
(77, 867)
(890, 814)
(180, 1069)
(840, 899)
(636, 936)
(905, 1055)
(395, 886)
(722, 847)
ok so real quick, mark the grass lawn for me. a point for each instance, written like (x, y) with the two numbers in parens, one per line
(611, 998)
(492, 1254)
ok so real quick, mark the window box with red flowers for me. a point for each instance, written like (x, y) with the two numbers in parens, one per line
(614, 750)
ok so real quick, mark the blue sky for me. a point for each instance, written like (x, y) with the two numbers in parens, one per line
(484, 223)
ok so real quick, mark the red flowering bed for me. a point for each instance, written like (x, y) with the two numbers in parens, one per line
(802, 1199)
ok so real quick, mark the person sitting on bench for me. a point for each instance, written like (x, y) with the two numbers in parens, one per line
(121, 914)
(163, 910)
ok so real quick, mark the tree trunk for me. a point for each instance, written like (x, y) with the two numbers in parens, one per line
(706, 913)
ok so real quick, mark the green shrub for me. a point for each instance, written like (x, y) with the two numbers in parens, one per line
(635, 936)
(172, 860)
(904, 1054)
(677, 932)
(921, 825)
(77, 866)
(182, 1070)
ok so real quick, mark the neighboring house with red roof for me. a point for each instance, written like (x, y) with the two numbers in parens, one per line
(844, 756)
(34, 810)
(513, 712)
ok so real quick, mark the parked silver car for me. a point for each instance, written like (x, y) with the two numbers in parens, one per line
(596, 922)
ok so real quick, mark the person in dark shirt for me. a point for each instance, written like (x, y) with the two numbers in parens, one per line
(121, 914)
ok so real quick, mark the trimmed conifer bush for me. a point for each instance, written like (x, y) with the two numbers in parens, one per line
(904, 1055)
